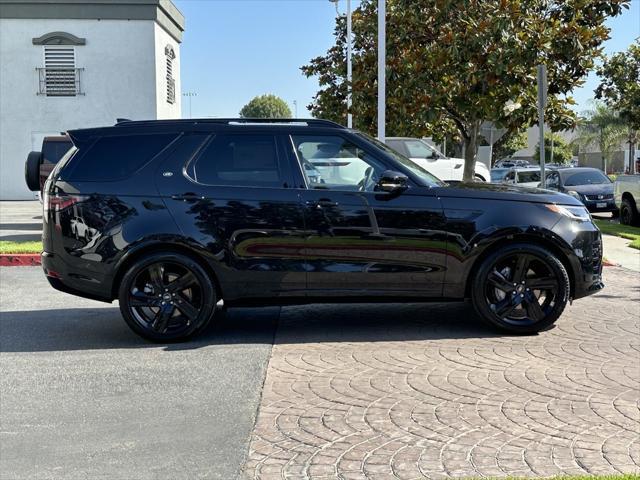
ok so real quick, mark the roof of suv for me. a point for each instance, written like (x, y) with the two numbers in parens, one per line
(82, 135)
(293, 122)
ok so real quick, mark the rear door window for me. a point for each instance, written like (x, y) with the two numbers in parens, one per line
(240, 160)
(115, 158)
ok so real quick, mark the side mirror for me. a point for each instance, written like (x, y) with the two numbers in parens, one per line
(392, 182)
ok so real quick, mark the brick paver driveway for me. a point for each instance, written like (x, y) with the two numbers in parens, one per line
(420, 391)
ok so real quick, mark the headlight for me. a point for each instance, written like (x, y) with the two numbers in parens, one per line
(580, 214)
(574, 194)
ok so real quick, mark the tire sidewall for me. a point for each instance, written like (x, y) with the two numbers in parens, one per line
(479, 282)
(208, 296)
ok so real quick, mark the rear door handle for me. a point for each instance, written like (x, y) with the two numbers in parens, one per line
(186, 197)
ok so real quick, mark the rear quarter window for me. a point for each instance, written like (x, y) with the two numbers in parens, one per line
(115, 158)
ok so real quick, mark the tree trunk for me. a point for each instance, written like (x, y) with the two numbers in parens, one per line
(471, 152)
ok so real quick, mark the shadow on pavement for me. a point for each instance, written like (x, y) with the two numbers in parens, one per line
(104, 328)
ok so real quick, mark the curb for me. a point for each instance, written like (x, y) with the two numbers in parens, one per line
(20, 260)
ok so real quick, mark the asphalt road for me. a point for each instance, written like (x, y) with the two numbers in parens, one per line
(81, 396)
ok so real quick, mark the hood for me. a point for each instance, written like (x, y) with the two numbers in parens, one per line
(603, 188)
(498, 191)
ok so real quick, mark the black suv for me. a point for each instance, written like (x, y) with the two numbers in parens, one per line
(177, 215)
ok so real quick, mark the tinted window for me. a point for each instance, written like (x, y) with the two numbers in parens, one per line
(54, 151)
(331, 162)
(396, 145)
(589, 177)
(498, 174)
(239, 160)
(114, 158)
(529, 177)
(418, 149)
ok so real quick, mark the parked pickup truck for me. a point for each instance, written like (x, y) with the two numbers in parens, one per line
(626, 192)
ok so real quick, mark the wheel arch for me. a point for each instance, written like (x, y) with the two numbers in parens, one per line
(143, 250)
(540, 241)
(629, 196)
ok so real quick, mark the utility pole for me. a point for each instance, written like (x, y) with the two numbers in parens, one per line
(295, 108)
(190, 95)
(542, 102)
(349, 65)
(382, 48)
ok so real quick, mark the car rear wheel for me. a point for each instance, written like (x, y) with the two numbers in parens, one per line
(521, 288)
(167, 297)
(628, 213)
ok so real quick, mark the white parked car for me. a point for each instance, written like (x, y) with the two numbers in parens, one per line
(80, 229)
(626, 192)
(435, 162)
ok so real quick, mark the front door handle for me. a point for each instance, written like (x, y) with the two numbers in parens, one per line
(320, 203)
(187, 197)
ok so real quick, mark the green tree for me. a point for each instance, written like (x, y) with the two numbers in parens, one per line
(452, 64)
(556, 151)
(266, 106)
(509, 144)
(620, 84)
(603, 129)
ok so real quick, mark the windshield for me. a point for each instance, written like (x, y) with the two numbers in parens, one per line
(428, 179)
(529, 177)
(589, 177)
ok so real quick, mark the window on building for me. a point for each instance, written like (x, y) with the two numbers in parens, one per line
(59, 77)
(170, 55)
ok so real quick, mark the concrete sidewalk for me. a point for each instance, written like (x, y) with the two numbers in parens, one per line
(20, 221)
(617, 250)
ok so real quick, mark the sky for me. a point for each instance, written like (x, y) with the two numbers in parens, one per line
(234, 50)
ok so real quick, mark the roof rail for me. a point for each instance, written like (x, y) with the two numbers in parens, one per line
(312, 122)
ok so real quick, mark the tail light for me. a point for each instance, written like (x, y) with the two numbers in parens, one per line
(60, 201)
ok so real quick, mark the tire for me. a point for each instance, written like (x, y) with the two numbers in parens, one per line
(159, 312)
(628, 213)
(495, 294)
(32, 171)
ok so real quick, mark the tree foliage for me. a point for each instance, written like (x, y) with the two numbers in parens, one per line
(556, 150)
(601, 128)
(266, 106)
(452, 64)
(509, 144)
(620, 84)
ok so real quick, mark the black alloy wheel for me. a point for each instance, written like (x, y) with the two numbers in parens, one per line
(167, 297)
(521, 288)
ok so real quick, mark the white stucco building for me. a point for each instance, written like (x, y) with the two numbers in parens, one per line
(68, 64)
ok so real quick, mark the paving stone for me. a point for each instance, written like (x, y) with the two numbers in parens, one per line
(415, 391)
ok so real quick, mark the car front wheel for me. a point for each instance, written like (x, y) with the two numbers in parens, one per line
(167, 297)
(521, 288)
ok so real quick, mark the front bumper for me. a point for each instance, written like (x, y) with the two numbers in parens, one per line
(584, 252)
(596, 206)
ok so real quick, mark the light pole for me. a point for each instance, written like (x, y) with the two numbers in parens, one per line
(295, 108)
(190, 94)
(382, 47)
(349, 65)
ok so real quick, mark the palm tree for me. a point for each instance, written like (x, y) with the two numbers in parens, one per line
(601, 127)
